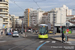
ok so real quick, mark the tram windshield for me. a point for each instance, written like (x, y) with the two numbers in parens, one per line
(43, 30)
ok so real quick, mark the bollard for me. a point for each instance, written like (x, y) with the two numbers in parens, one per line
(66, 38)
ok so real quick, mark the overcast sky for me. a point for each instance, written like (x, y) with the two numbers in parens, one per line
(45, 5)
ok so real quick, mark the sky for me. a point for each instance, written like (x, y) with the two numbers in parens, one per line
(46, 5)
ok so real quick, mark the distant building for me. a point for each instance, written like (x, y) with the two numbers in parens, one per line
(33, 17)
(16, 21)
(26, 16)
(45, 18)
(60, 16)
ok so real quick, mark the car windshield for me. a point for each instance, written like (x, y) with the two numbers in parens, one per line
(15, 33)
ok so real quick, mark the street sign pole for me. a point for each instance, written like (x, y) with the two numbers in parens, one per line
(67, 30)
(22, 26)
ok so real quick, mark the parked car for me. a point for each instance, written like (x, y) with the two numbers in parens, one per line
(29, 30)
(15, 33)
(9, 33)
(50, 31)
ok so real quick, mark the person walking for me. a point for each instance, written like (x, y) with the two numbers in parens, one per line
(63, 37)
(36, 31)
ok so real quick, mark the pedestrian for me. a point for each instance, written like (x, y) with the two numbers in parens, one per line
(63, 37)
(31, 30)
(1, 32)
(36, 31)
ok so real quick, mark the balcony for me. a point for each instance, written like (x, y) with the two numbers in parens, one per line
(5, 17)
(3, 2)
(3, 12)
(5, 22)
(3, 7)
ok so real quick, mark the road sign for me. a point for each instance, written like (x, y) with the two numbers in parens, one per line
(4, 26)
(67, 30)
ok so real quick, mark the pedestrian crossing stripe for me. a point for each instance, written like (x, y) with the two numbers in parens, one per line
(53, 41)
(41, 41)
(47, 41)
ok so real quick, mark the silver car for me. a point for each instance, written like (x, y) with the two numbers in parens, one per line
(15, 33)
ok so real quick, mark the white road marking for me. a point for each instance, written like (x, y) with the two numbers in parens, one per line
(53, 41)
(68, 42)
(2, 41)
(41, 41)
(47, 41)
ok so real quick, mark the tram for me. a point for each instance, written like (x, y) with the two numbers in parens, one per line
(43, 31)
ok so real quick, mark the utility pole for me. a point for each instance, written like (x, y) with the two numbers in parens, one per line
(16, 22)
(22, 25)
(25, 30)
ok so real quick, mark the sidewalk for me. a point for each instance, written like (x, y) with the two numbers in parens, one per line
(23, 35)
(58, 38)
(2, 36)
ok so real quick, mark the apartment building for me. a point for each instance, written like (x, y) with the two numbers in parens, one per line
(1, 22)
(59, 16)
(36, 17)
(33, 17)
(45, 18)
(16, 22)
(26, 16)
(4, 12)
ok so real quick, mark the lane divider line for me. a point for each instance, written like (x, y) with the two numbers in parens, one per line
(41, 46)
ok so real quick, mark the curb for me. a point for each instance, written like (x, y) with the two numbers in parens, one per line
(55, 39)
(61, 41)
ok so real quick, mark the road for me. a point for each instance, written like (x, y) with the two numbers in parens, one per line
(31, 42)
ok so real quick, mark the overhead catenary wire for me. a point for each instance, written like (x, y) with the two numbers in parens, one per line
(36, 3)
(17, 5)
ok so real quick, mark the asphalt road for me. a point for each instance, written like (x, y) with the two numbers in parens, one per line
(31, 42)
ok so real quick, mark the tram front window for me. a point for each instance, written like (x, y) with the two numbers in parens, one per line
(43, 30)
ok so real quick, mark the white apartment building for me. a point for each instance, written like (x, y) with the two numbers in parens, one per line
(4, 12)
(1, 22)
(60, 15)
(36, 17)
(33, 17)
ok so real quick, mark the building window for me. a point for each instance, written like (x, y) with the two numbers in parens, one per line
(0, 10)
(0, 0)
